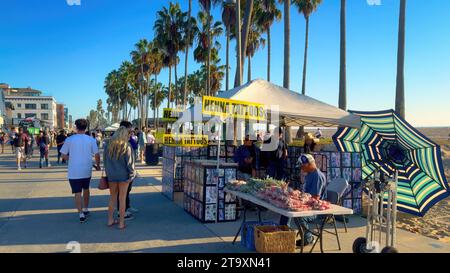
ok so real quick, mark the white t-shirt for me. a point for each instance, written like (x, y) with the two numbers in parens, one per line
(150, 139)
(80, 148)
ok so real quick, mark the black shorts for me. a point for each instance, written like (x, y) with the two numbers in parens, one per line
(79, 184)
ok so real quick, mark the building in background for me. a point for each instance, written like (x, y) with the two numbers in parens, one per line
(3, 116)
(29, 103)
(70, 127)
(60, 117)
(66, 118)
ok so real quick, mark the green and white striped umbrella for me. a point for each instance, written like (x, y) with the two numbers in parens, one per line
(389, 143)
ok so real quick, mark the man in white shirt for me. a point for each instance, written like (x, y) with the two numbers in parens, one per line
(78, 150)
(150, 137)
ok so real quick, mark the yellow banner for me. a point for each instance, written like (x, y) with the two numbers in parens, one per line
(233, 108)
(185, 140)
(171, 114)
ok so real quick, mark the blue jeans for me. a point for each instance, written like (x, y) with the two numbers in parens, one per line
(304, 222)
(276, 169)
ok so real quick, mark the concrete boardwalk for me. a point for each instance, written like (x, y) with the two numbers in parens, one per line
(37, 215)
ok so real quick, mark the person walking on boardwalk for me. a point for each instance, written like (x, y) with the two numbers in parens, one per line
(119, 169)
(44, 143)
(78, 150)
(2, 141)
(60, 139)
(19, 144)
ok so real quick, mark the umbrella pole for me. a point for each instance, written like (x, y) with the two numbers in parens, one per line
(394, 210)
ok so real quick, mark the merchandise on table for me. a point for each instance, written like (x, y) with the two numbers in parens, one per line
(204, 196)
(279, 194)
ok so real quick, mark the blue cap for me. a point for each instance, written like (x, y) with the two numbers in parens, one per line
(305, 159)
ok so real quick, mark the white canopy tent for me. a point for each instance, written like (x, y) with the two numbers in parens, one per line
(112, 128)
(296, 109)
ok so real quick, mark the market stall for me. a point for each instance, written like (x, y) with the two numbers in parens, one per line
(259, 101)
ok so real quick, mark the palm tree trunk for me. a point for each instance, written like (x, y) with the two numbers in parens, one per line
(268, 54)
(238, 77)
(170, 86)
(245, 32)
(206, 81)
(155, 124)
(249, 68)
(305, 60)
(227, 81)
(208, 61)
(343, 63)
(287, 44)
(400, 86)
(175, 92)
(187, 54)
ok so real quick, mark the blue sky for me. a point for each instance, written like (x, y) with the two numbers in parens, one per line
(66, 51)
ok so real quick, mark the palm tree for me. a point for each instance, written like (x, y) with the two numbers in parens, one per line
(343, 61)
(217, 73)
(126, 75)
(203, 52)
(113, 89)
(157, 96)
(140, 57)
(306, 7)
(266, 16)
(229, 20)
(156, 63)
(255, 42)
(168, 36)
(207, 6)
(400, 85)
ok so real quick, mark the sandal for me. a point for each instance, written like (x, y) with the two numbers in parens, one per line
(122, 228)
(115, 222)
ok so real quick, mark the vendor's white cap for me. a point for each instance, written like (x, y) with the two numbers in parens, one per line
(305, 159)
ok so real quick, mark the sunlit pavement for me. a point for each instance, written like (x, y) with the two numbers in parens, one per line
(37, 215)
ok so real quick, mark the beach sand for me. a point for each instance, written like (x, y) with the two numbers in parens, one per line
(436, 223)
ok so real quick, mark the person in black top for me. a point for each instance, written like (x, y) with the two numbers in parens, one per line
(60, 139)
(43, 143)
(278, 159)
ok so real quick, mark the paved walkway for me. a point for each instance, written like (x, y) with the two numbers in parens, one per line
(37, 215)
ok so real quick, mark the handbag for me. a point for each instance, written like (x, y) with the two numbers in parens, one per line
(103, 184)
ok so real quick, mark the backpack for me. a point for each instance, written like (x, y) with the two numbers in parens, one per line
(18, 141)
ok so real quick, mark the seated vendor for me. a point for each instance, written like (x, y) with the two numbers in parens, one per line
(315, 184)
(246, 156)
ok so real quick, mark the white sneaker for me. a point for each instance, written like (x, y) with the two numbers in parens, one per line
(19, 168)
(133, 210)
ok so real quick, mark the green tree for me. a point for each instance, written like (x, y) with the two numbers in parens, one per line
(169, 37)
(202, 51)
(206, 6)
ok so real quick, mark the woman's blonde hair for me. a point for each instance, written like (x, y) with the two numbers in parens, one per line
(118, 145)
